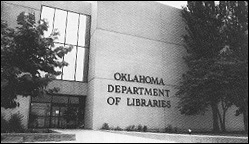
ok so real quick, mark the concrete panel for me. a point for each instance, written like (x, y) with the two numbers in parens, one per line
(94, 17)
(116, 52)
(89, 109)
(137, 40)
(10, 11)
(28, 4)
(142, 19)
(69, 87)
(92, 57)
(123, 115)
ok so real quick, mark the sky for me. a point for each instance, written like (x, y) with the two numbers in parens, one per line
(176, 4)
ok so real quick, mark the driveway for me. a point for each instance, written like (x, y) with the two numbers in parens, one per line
(92, 136)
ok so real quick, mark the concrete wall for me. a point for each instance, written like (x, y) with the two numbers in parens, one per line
(69, 87)
(138, 38)
(23, 110)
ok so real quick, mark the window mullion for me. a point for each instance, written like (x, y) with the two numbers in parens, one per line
(77, 48)
(53, 20)
(75, 57)
(64, 43)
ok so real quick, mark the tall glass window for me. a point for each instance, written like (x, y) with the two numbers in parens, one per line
(74, 29)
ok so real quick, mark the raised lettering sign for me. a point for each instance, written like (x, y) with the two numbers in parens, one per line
(138, 91)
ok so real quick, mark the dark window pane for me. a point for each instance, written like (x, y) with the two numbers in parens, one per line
(40, 109)
(62, 123)
(55, 111)
(72, 28)
(73, 100)
(54, 122)
(40, 122)
(42, 98)
(47, 122)
(60, 99)
(63, 110)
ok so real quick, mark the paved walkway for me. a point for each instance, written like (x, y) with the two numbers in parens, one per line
(96, 136)
(92, 136)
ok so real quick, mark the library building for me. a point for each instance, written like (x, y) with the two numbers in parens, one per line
(126, 62)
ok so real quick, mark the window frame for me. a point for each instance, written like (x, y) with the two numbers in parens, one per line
(51, 104)
(86, 47)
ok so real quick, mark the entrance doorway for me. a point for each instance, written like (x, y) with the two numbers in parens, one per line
(57, 112)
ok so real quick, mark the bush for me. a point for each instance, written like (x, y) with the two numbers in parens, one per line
(15, 123)
(169, 129)
(145, 128)
(118, 128)
(139, 128)
(131, 128)
(175, 129)
(105, 126)
(4, 125)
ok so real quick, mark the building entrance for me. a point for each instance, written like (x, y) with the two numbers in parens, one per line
(57, 112)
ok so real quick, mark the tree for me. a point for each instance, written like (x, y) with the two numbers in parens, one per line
(235, 53)
(210, 45)
(25, 54)
(199, 88)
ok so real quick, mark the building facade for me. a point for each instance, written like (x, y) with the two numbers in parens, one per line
(126, 62)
